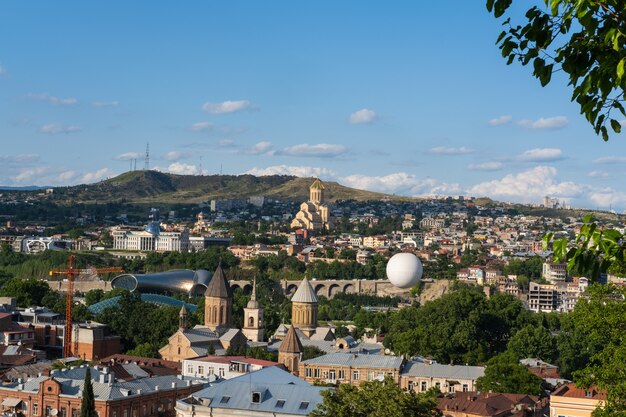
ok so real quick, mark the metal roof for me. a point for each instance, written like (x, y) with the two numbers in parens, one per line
(305, 293)
(279, 392)
(72, 384)
(158, 299)
(437, 370)
(357, 361)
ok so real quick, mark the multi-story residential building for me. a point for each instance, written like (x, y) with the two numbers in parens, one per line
(225, 367)
(423, 374)
(541, 297)
(375, 241)
(554, 272)
(13, 334)
(350, 368)
(432, 223)
(568, 400)
(60, 394)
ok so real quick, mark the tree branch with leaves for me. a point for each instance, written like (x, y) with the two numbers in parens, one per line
(585, 39)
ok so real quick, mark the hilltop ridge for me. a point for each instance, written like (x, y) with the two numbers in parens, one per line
(155, 186)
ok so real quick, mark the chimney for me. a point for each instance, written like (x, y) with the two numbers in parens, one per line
(173, 384)
(102, 378)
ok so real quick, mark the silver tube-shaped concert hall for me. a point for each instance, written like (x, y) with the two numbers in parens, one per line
(186, 281)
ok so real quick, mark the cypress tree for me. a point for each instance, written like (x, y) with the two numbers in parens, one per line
(88, 404)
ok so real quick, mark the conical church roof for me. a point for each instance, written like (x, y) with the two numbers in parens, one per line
(291, 343)
(317, 184)
(218, 286)
(305, 293)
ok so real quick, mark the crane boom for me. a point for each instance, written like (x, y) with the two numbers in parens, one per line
(71, 273)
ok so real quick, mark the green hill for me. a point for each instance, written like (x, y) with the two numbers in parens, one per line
(159, 187)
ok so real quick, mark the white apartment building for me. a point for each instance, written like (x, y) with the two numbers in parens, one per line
(225, 367)
(554, 272)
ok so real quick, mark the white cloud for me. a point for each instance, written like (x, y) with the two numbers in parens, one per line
(30, 176)
(67, 176)
(607, 197)
(320, 150)
(442, 150)
(101, 174)
(487, 166)
(181, 168)
(541, 155)
(176, 155)
(544, 123)
(298, 171)
(55, 129)
(57, 101)
(226, 143)
(19, 159)
(363, 116)
(126, 156)
(228, 106)
(529, 186)
(610, 160)
(598, 174)
(499, 121)
(105, 103)
(401, 183)
(261, 148)
(202, 126)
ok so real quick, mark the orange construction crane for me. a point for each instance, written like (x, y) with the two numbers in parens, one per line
(71, 273)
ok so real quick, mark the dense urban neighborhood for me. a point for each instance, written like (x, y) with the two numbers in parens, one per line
(269, 307)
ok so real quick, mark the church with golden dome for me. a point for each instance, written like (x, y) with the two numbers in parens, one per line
(313, 214)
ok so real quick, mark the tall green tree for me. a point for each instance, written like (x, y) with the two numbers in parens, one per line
(534, 342)
(88, 403)
(585, 40)
(376, 398)
(505, 374)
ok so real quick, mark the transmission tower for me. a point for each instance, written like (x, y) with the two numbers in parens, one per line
(146, 166)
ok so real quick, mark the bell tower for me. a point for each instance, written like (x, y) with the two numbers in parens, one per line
(253, 318)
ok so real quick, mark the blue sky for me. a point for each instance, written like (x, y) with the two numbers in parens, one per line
(400, 97)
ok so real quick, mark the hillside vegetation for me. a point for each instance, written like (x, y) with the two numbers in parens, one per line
(159, 187)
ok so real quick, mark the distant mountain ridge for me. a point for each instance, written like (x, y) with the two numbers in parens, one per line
(155, 186)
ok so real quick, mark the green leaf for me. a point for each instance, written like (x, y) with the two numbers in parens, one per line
(620, 68)
(617, 127)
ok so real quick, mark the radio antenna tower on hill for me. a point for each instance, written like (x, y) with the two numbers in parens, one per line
(146, 166)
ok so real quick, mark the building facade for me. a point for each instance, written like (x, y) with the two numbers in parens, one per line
(350, 368)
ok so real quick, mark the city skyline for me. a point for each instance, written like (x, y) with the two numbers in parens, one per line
(398, 98)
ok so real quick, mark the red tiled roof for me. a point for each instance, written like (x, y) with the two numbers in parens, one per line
(571, 391)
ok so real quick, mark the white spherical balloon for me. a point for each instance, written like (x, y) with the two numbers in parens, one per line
(404, 270)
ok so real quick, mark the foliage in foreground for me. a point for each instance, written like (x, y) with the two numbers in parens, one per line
(585, 39)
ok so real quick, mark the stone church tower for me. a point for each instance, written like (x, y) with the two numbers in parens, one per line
(290, 351)
(218, 303)
(253, 318)
(304, 308)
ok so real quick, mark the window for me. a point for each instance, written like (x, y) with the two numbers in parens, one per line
(588, 394)
(316, 373)
(225, 399)
(280, 403)
(222, 372)
(450, 388)
(201, 369)
(256, 397)
(465, 388)
(35, 409)
(342, 374)
(304, 405)
(48, 408)
(144, 410)
(332, 374)
(63, 412)
(211, 370)
(411, 385)
(307, 372)
(190, 369)
(355, 375)
(424, 386)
